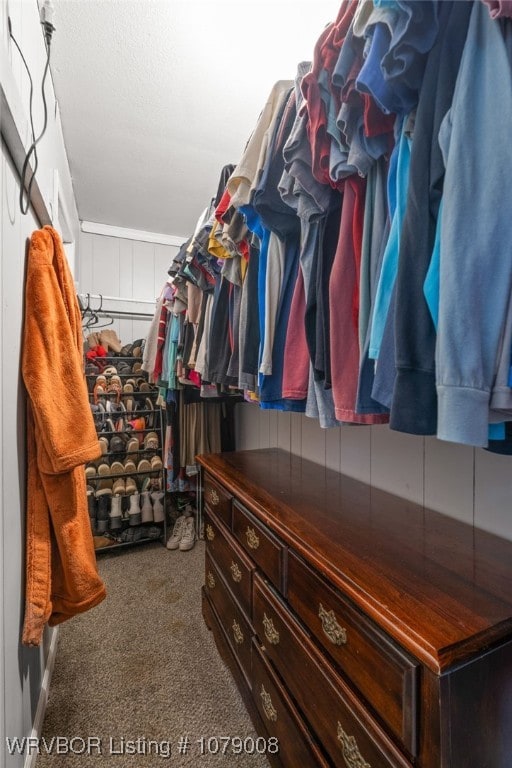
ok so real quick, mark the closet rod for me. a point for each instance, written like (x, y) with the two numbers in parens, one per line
(100, 297)
(123, 315)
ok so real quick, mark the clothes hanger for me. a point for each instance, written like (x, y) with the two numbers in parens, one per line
(100, 311)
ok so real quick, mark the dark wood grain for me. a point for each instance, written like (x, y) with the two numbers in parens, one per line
(236, 567)
(237, 629)
(296, 745)
(264, 548)
(214, 624)
(320, 693)
(217, 500)
(387, 677)
(439, 587)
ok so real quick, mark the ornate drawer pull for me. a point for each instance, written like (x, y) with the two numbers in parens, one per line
(236, 573)
(271, 632)
(210, 533)
(237, 633)
(350, 750)
(268, 707)
(253, 540)
(210, 580)
(214, 497)
(336, 634)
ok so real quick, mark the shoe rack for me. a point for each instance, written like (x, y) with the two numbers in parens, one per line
(126, 489)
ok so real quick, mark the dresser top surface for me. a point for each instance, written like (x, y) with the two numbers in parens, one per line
(440, 587)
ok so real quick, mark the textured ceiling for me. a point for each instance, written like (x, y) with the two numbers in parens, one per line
(157, 95)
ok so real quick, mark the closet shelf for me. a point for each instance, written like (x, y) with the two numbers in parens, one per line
(130, 431)
(111, 476)
(122, 544)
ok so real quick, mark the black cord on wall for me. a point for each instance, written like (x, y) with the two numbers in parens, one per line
(48, 29)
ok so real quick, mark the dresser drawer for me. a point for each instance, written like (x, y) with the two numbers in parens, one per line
(235, 626)
(342, 724)
(296, 746)
(263, 547)
(386, 675)
(232, 561)
(217, 499)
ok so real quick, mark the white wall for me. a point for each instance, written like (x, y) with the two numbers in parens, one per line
(130, 269)
(469, 484)
(21, 669)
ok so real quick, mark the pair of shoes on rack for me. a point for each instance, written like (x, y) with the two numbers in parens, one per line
(152, 508)
(124, 486)
(109, 340)
(146, 507)
(183, 535)
(132, 350)
(140, 532)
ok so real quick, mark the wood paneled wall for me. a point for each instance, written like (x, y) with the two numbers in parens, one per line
(469, 484)
(129, 269)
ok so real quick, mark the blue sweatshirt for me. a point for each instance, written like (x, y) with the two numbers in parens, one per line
(476, 233)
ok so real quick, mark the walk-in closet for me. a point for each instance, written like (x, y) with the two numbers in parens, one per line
(256, 388)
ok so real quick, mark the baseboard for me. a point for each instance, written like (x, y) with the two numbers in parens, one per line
(31, 757)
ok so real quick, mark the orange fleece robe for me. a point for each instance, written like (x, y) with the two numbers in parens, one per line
(61, 573)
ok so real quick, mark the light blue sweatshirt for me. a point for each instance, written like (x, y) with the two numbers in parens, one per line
(475, 269)
(398, 182)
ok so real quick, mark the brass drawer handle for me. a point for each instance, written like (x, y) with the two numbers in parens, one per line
(271, 632)
(236, 573)
(253, 539)
(336, 634)
(237, 633)
(350, 750)
(210, 533)
(214, 497)
(268, 707)
(210, 580)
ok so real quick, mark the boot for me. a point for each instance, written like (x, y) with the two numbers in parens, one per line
(115, 513)
(91, 504)
(134, 511)
(147, 508)
(109, 339)
(158, 507)
(102, 516)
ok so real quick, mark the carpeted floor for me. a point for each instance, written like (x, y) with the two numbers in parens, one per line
(143, 666)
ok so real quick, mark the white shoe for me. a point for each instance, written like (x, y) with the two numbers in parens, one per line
(188, 536)
(147, 508)
(177, 532)
(116, 514)
(158, 507)
(134, 513)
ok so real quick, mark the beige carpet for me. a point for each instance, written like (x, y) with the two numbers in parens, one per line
(143, 666)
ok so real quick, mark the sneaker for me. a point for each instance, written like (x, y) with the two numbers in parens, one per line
(188, 537)
(177, 532)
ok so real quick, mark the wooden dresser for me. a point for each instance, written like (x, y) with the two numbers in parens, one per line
(363, 631)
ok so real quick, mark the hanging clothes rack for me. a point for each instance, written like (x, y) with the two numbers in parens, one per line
(87, 300)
